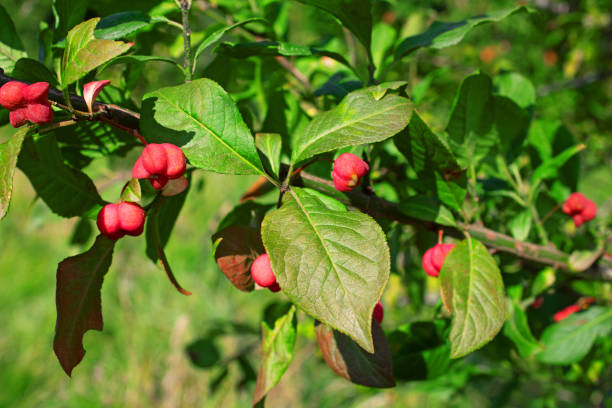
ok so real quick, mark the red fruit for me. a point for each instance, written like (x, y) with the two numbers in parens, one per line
(11, 95)
(434, 257)
(160, 163)
(262, 273)
(18, 117)
(36, 93)
(378, 313)
(565, 313)
(39, 113)
(117, 220)
(580, 208)
(537, 302)
(348, 171)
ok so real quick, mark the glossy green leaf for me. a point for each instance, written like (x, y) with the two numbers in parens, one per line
(550, 167)
(84, 53)
(129, 59)
(571, 339)
(204, 121)
(123, 24)
(79, 307)
(9, 152)
(433, 161)
(473, 291)
(332, 264)
(520, 225)
(427, 209)
(277, 352)
(67, 191)
(517, 329)
(11, 47)
(442, 35)
(350, 361)
(270, 144)
(360, 118)
(30, 70)
(356, 15)
(516, 87)
(67, 13)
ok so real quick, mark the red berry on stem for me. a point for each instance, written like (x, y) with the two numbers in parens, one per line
(565, 313)
(580, 208)
(262, 273)
(154, 158)
(108, 221)
(348, 171)
(117, 220)
(11, 95)
(176, 161)
(434, 257)
(378, 313)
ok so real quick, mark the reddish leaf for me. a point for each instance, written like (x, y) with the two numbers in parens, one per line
(350, 361)
(236, 248)
(79, 308)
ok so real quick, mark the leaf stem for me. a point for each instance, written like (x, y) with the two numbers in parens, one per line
(185, 5)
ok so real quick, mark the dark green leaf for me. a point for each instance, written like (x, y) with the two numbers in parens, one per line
(441, 35)
(517, 329)
(129, 59)
(332, 264)
(11, 47)
(270, 144)
(356, 15)
(68, 192)
(427, 209)
(235, 249)
(516, 87)
(350, 361)
(473, 291)
(277, 352)
(203, 353)
(68, 13)
(79, 308)
(571, 339)
(84, 53)
(360, 118)
(9, 152)
(123, 24)
(30, 70)
(203, 119)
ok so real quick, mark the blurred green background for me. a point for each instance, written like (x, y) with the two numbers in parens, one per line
(140, 358)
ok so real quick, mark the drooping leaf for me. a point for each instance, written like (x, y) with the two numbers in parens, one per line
(441, 35)
(517, 329)
(235, 249)
(9, 152)
(350, 361)
(333, 264)
(569, 340)
(434, 163)
(481, 122)
(79, 308)
(67, 191)
(360, 118)
(203, 119)
(84, 53)
(356, 15)
(427, 209)
(11, 47)
(217, 34)
(270, 144)
(123, 24)
(473, 291)
(68, 13)
(277, 352)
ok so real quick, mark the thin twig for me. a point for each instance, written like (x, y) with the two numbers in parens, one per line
(187, 63)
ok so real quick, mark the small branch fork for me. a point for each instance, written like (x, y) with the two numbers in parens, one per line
(129, 121)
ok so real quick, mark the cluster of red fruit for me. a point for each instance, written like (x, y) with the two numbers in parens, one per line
(158, 163)
(580, 208)
(26, 102)
(261, 271)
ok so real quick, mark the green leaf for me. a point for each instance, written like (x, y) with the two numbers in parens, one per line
(270, 144)
(277, 352)
(27, 69)
(132, 191)
(68, 192)
(581, 260)
(516, 87)
(9, 151)
(79, 308)
(433, 161)
(517, 329)
(203, 119)
(235, 249)
(332, 264)
(68, 13)
(441, 35)
(360, 118)
(427, 209)
(11, 47)
(571, 339)
(356, 15)
(84, 53)
(143, 59)
(481, 122)
(550, 167)
(217, 34)
(473, 291)
(123, 24)
(520, 225)
(350, 361)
